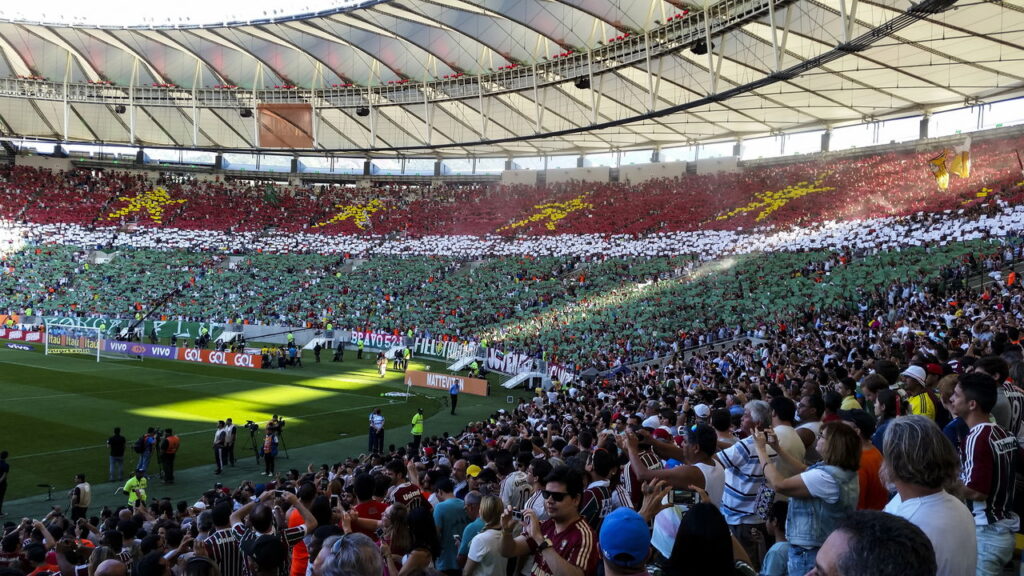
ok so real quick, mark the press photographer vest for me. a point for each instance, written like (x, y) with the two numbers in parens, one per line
(172, 444)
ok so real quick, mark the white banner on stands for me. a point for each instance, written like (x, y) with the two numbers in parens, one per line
(518, 363)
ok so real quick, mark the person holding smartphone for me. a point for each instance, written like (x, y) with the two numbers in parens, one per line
(564, 544)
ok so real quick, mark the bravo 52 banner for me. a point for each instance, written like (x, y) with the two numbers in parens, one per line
(220, 358)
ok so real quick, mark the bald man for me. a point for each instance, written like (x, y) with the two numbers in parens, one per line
(111, 568)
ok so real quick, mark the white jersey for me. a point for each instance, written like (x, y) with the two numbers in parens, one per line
(515, 490)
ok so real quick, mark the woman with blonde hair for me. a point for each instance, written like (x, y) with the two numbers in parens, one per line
(485, 557)
(821, 495)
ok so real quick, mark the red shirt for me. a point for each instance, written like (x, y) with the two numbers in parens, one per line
(406, 494)
(371, 510)
(873, 495)
(577, 544)
(300, 555)
(987, 466)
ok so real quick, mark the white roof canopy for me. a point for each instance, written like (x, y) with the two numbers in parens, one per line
(510, 77)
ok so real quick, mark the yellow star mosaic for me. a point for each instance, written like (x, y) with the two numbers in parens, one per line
(771, 200)
(153, 203)
(359, 213)
(552, 212)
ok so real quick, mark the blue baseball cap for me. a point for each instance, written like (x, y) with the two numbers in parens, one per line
(625, 538)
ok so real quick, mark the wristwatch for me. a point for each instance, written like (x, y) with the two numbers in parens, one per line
(544, 545)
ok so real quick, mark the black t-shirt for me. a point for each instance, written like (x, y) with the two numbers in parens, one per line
(116, 443)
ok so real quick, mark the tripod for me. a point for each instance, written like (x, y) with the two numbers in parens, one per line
(280, 437)
(256, 447)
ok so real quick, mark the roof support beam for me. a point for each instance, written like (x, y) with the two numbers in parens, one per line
(131, 101)
(776, 51)
(590, 84)
(483, 111)
(712, 70)
(536, 101)
(647, 68)
(426, 116)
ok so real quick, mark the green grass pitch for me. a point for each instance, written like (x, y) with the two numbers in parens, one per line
(57, 411)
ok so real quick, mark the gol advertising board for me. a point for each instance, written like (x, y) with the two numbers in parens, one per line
(220, 358)
(140, 349)
(420, 379)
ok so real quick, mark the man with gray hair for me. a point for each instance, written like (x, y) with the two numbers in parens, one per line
(353, 554)
(922, 464)
(747, 496)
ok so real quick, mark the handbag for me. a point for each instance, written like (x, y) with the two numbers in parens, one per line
(764, 500)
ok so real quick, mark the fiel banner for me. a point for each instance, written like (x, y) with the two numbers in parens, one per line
(421, 379)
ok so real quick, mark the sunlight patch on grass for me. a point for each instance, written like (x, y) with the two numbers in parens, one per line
(258, 404)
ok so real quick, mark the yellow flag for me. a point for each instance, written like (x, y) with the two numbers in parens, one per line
(960, 162)
(938, 166)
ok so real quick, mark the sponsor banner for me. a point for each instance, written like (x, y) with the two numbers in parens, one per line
(220, 358)
(24, 347)
(381, 340)
(164, 328)
(58, 341)
(21, 335)
(441, 349)
(420, 379)
(513, 364)
(140, 349)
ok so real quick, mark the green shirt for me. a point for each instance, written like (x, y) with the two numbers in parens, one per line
(417, 424)
(130, 487)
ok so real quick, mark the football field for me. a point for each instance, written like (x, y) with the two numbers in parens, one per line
(57, 411)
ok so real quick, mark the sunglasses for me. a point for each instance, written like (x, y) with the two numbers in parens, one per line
(556, 496)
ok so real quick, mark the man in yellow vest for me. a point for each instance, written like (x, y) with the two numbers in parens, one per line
(417, 431)
(169, 449)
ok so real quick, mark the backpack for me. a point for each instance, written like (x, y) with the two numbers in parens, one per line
(140, 445)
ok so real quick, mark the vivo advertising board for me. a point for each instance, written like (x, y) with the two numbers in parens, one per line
(140, 349)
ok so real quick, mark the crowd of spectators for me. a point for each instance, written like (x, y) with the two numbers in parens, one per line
(873, 426)
(835, 443)
(778, 195)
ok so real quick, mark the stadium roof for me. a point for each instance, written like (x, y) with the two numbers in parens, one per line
(452, 78)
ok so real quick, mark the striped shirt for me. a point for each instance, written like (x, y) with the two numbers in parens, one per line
(577, 545)
(289, 536)
(222, 547)
(987, 459)
(632, 484)
(744, 476)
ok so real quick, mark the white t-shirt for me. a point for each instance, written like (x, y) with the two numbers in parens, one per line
(948, 524)
(821, 484)
(485, 550)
